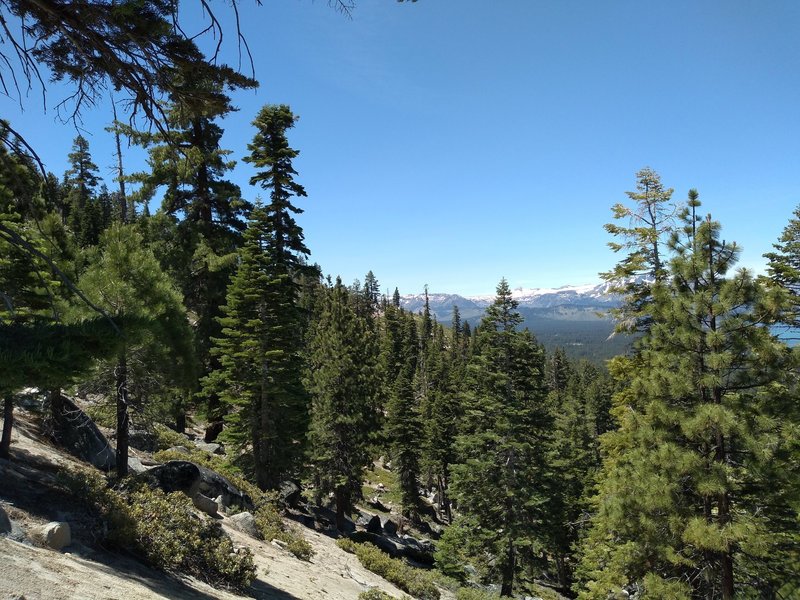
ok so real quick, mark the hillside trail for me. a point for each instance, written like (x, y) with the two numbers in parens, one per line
(78, 572)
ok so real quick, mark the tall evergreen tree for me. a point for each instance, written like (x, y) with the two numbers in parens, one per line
(446, 369)
(697, 498)
(404, 419)
(260, 348)
(343, 381)
(783, 268)
(579, 399)
(260, 356)
(191, 168)
(497, 483)
(650, 222)
(81, 181)
(127, 281)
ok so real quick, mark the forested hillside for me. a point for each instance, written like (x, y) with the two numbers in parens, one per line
(668, 471)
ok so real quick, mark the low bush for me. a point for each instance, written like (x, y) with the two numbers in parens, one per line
(266, 514)
(415, 582)
(103, 414)
(164, 530)
(468, 593)
(375, 594)
(168, 438)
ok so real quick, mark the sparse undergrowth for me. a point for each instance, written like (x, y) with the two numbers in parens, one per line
(164, 530)
(468, 593)
(375, 594)
(376, 475)
(168, 438)
(413, 581)
(266, 513)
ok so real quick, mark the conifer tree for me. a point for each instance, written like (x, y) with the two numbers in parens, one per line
(650, 222)
(579, 401)
(784, 267)
(342, 380)
(191, 168)
(260, 356)
(127, 281)
(27, 288)
(697, 498)
(446, 371)
(502, 444)
(261, 342)
(404, 420)
(81, 181)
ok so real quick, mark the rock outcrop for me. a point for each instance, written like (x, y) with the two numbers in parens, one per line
(55, 534)
(75, 431)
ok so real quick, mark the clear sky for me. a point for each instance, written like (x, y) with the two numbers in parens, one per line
(453, 142)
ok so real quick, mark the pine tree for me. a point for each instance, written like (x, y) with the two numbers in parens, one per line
(261, 342)
(404, 421)
(81, 181)
(697, 498)
(260, 356)
(191, 168)
(446, 372)
(342, 379)
(784, 267)
(27, 287)
(502, 446)
(649, 224)
(578, 400)
(126, 281)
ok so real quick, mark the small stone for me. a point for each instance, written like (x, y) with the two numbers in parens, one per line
(55, 534)
(206, 504)
(246, 523)
(210, 447)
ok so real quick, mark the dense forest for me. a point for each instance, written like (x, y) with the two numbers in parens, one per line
(672, 473)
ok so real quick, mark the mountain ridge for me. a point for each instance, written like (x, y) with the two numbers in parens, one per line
(573, 317)
(596, 294)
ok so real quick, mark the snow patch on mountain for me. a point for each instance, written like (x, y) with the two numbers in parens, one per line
(587, 295)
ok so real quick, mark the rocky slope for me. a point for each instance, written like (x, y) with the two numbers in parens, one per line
(30, 497)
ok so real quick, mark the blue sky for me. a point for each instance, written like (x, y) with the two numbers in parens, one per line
(451, 143)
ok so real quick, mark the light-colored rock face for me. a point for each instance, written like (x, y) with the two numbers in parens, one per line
(55, 534)
(206, 504)
(244, 522)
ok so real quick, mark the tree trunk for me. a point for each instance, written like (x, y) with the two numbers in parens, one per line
(179, 413)
(8, 424)
(122, 415)
(508, 568)
(180, 421)
(563, 575)
(341, 507)
(56, 404)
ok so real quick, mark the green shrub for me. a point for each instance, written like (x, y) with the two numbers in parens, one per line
(268, 519)
(375, 594)
(415, 582)
(468, 593)
(167, 438)
(347, 545)
(299, 547)
(164, 530)
(103, 414)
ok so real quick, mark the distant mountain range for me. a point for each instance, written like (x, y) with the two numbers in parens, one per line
(572, 317)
